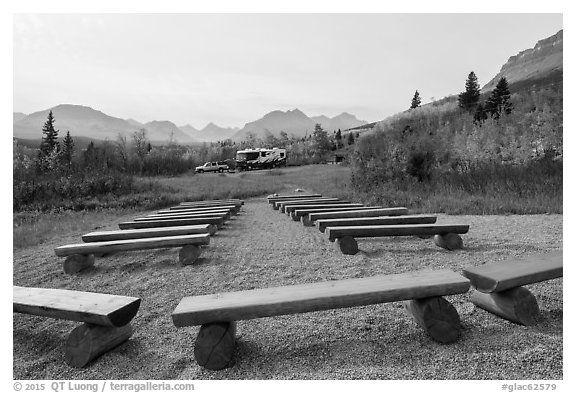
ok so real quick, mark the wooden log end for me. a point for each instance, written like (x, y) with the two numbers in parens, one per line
(77, 262)
(449, 241)
(437, 317)
(87, 342)
(212, 229)
(516, 305)
(215, 345)
(124, 315)
(306, 221)
(189, 254)
(347, 245)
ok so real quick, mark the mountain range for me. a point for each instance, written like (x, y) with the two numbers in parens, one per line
(541, 64)
(83, 121)
(545, 59)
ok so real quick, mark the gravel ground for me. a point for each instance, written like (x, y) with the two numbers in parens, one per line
(260, 248)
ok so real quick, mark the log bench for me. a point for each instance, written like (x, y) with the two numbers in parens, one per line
(303, 214)
(333, 201)
(225, 215)
(445, 236)
(232, 209)
(104, 236)
(237, 202)
(362, 212)
(278, 205)
(178, 209)
(288, 209)
(217, 313)
(499, 286)
(218, 222)
(292, 197)
(361, 221)
(81, 256)
(106, 318)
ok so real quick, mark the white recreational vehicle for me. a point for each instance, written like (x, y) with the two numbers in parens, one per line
(260, 158)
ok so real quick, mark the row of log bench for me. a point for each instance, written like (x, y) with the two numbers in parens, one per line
(106, 318)
(344, 222)
(188, 226)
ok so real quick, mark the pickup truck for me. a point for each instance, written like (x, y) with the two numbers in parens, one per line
(219, 166)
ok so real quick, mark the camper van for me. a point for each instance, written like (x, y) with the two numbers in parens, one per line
(260, 158)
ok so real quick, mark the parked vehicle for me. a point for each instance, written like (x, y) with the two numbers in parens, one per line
(219, 166)
(260, 158)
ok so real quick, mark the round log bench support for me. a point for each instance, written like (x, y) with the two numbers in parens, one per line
(306, 221)
(347, 245)
(77, 262)
(449, 241)
(212, 229)
(437, 317)
(87, 342)
(517, 305)
(189, 254)
(215, 345)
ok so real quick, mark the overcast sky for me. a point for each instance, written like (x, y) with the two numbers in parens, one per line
(234, 68)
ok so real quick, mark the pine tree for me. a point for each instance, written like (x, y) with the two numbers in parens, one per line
(480, 114)
(350, 138)
(338, 139)
(415, 100)
(499, 101)
(49, 140)
(469, 98)
(67, 149)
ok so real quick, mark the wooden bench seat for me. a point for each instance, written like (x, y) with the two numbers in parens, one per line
(272, 199)
(178, 209)
(362, 221)
(126, 234)
(362, 212)
(278, 205)
(225, 215)
(217, 313)
(287, 207)
(236, 202)
(445, 236)
(232, 209)
(218, 222)
(499, 286)
(80, 256)
(302, 214)
(106, 318)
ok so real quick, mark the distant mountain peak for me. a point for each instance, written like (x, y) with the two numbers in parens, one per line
(545, 57)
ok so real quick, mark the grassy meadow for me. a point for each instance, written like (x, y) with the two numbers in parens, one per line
(508, 193)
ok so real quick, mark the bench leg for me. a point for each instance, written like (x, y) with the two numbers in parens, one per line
(75, 263)
(437, 317)
(215, 345)
(212, 229)
(517, 305)
(87, 342)
(347, 245)
(449, 241)
(189, 254)
(306, 221)
(294, 216)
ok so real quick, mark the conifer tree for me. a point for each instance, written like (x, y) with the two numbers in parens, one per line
(49, 140)
(338, 139)
(415, 100)
(469, 98)
(499, 101)
(480, 114)
(67, 149)
(351, 138)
